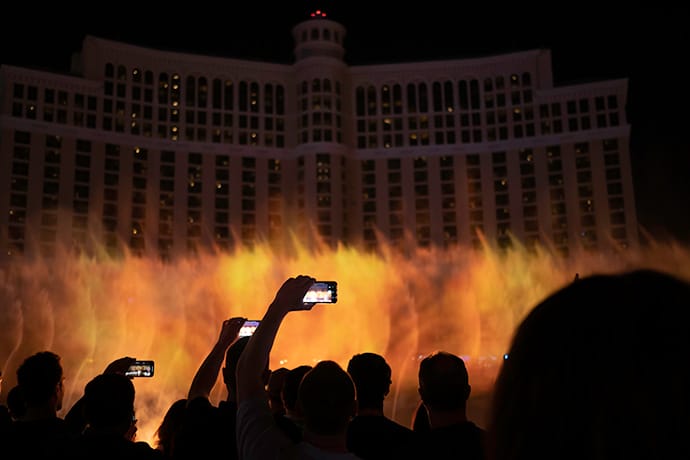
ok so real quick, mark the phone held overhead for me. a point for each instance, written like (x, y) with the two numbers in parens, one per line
(248, 327)
(140, 368)
(322, 292)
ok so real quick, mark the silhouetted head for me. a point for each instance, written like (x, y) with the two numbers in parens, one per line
(109, 403)
(230, 369)
(372, 376)
(443, 382)
(327, 399)
(598, 370)
(40, 377)
(291, 383)
(172, 420)
(16, 403)
(232, 355)
(275, 389)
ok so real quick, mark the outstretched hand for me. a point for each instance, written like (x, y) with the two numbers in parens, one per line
(119, 366)
(289, 296)
(230, 330)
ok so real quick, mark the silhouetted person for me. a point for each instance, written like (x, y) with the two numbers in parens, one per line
(326, 393)
(292, 422)
(40, 433)
(275, 390)
(108, 405)
(598, 370)
(15, 403)
(166, 431)
(207, 430)
(76, 417)
(444, 388)
(370, 434)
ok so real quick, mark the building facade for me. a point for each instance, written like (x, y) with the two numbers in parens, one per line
(163, 153)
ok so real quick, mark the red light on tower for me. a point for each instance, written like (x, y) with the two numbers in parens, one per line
(318, 14)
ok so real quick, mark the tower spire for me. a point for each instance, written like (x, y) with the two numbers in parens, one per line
(318, 36)
(318, 14)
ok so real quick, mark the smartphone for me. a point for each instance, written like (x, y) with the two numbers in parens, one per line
(248, 327)
(140, 368)
(322, 292)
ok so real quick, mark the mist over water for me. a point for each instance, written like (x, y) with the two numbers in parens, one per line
(92, 311)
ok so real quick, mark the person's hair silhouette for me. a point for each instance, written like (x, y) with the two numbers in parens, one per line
(326, 396)
(444, 383)
(109, 403)
(598, 370)
(166, 431)
(372, 376)
(40, 377)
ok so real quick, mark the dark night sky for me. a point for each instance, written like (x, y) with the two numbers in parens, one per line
(649, 46)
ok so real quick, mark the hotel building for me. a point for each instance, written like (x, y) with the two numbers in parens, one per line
(163, 153)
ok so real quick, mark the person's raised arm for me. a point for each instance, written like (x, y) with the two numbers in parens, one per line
(255, 356)
(207, 374)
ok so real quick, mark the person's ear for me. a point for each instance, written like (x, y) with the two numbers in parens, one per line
(60, 388)
(388, 387)
(421, 392)
(58, 394)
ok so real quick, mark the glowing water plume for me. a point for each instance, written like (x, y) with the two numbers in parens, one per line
(94, 310)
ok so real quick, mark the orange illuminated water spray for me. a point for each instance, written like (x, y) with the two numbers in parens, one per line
(92, 311)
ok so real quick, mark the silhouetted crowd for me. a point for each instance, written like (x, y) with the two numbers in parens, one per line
(597, 370)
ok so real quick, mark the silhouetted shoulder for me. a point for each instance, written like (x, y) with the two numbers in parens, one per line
(37, 438)
(377, 437)
(461, 440)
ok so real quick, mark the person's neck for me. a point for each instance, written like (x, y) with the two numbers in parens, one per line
(39, 413)
(330, 443)
(440, 419)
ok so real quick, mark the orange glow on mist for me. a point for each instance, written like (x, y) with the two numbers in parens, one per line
(93, 311)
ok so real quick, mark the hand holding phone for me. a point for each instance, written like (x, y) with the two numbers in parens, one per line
(322, 292)
(248, 327)
(140, 368)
